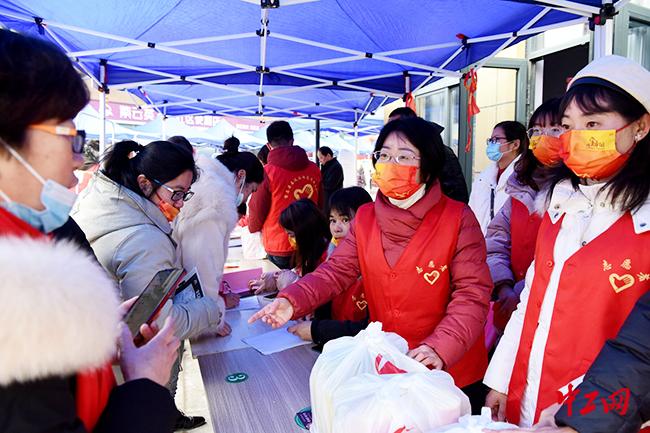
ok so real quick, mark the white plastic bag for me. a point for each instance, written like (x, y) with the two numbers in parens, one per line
(409, 402)
(251, 244)
(475, 424)
(370, 351)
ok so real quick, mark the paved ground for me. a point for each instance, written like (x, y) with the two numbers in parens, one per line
(190, 396)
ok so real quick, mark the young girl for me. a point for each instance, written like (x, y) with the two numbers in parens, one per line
(348, 310)
(592, 259)
(309, 237)
(512, 234)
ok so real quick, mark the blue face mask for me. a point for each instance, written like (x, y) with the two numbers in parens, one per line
(493, 150)
(57, 200)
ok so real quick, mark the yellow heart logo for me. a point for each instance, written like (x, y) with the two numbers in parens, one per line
(432, 277)
(305, 192)
(361, 305)
(621, 282)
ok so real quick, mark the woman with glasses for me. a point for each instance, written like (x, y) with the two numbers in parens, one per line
(507, 142)
(512, 234)
(421, 256)
(60, 311)
(126, 213)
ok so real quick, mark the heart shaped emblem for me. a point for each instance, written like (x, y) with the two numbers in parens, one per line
(361, 305)
(432, 277)
(305, 192)
(622, 282)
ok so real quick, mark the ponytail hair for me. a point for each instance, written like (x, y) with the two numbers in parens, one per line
(244, 161)
(159, 160)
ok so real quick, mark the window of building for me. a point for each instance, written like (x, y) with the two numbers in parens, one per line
(638, 42)
(442, 107)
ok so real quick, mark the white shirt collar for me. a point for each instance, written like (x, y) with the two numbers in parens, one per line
(566, 199)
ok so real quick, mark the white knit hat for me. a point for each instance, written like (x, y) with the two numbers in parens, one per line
(623, 73)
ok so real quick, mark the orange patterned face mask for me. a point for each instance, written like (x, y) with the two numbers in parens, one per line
(396, 180)
(546, 149)
(168, 210)
(592, 154)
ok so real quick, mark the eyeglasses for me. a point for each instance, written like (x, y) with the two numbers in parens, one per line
(551, 131)
(176, 194)
(78, 136)
(403, 158)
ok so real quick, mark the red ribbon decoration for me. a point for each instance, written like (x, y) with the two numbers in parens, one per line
(470, 82)
(409, 101)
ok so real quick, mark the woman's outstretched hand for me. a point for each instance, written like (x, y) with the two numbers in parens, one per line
(276, 314)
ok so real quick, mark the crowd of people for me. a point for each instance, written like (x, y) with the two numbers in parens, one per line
(531, 292)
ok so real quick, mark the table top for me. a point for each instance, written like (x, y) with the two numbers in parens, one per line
(277, 386)
(267, 402)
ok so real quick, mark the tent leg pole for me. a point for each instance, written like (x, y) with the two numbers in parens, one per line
(317, 141)
(102, 107)
(356, 150)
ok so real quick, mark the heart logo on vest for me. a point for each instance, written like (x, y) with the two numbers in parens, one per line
(361, 305)
(620, 283)
(432, 277)
(305, 192)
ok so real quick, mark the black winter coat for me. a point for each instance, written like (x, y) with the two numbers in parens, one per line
(623, 363)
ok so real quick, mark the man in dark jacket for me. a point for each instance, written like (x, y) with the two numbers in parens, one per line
(614, 396)
(452, 180)
(289, 175)
(331, 172)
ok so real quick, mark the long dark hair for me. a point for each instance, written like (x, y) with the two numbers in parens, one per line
(546, 114)
(631, 185)
(312, 232)
(425, 137)
(159, 160)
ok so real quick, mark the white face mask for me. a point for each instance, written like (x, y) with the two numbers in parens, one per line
(57, 199)
(240, 195)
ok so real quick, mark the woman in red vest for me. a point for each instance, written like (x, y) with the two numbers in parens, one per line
(421, 256)
(60, 311)
(592, 259)
(512, 234)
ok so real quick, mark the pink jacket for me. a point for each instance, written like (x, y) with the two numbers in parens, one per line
(468, 306)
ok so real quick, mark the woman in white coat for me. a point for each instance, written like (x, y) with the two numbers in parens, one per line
(203, 229)
(508, 141)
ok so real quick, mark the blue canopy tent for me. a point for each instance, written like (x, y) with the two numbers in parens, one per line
(320, 59)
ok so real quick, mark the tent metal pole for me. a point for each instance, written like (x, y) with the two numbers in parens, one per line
(510, 40)
(319, 63)
(442, 66)
(368, 89)
(356, 147)
(264, 31)
(305, 77)
(317, 143)
(604, 37)
(297, 89)
(102, 107)
(67, 49)
(542, 29)
(317, 44)
(166, 44)
(419, 49)
(373, 77)
(572, 6)
(171, 80)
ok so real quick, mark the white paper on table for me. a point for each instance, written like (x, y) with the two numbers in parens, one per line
(248, 303)
(275, 341)
(238, 320)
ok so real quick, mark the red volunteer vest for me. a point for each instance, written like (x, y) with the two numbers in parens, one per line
(351, 304)
(286, 187)
(524, 227)
(411, 298)
(598, 288)
(93, 387)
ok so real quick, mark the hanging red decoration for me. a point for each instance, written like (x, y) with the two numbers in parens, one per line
(470, 82)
